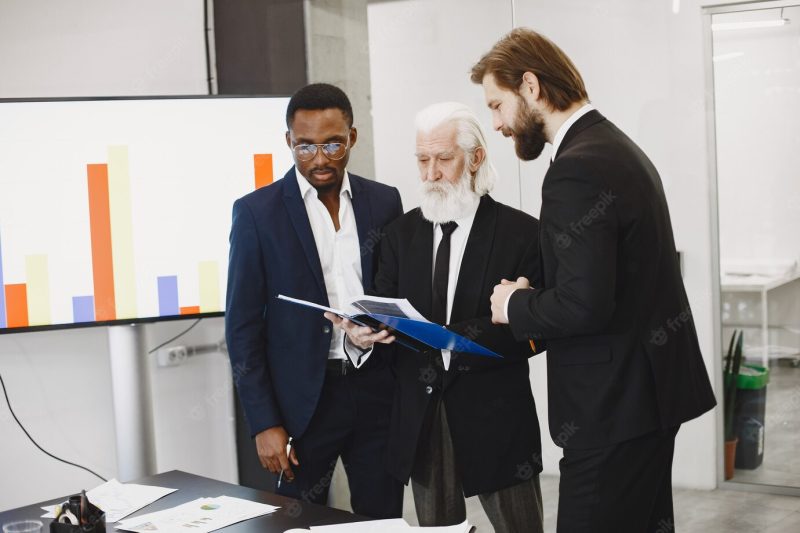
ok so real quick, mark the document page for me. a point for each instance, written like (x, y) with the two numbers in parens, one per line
(118, 500)
(199, 516)
(396, 307)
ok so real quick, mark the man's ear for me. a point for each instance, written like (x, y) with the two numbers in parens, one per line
(478, 156)
(353, 136)
(288, 139)
(530, 89)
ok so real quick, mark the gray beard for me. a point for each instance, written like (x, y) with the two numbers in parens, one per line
(445, 202)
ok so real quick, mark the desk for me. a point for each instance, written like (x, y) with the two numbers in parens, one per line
(762, 285)
(292, 514)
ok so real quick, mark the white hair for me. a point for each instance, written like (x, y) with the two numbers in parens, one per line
(469, 136)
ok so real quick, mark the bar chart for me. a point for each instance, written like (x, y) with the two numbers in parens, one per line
(98, 232)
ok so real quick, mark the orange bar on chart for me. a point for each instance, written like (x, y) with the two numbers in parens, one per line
(263, 168)
(17, 305)
(100, 227)
(192, 310)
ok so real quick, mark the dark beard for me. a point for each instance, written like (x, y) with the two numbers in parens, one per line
(529, 138)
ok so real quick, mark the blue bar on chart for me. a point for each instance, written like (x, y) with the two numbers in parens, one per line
(2, 289)
(168, 296)
(82, 309)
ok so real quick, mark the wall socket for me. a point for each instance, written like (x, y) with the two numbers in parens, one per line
(172, 356)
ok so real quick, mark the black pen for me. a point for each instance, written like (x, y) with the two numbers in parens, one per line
(288, 459)
(83, 518)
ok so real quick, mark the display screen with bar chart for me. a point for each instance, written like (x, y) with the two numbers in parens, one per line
(118, 210)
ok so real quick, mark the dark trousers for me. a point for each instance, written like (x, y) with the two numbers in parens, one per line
(439, 497)
(623, 488)
(351, 422)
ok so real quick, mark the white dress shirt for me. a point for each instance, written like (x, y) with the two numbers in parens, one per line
(560, 134)
(458, 244)
(562, 131)
(339, 254)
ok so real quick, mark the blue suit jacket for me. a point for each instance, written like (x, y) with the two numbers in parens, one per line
(278, 350)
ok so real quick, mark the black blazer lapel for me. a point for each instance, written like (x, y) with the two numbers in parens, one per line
(363, 216)
(420, 267)
(590, 118)
(467, 300)
(299, 217)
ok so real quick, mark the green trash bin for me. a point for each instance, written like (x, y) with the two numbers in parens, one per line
(749, 415)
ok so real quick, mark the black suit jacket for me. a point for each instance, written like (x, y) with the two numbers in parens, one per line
(278, 350)
(490, 407)
(623, 357)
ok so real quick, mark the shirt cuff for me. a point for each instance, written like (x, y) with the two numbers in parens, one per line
(505, 305)
(358, 356)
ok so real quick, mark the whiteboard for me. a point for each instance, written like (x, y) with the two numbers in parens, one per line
(118, 210)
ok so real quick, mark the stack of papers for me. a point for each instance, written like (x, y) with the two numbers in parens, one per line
(199, 516)
(394, 525)
(118, 500)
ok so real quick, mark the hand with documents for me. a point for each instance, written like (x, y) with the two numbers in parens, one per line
(406, 324)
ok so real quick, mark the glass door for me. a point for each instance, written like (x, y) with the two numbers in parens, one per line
(754, 67)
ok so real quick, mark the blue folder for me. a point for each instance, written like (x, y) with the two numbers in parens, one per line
(431, 335)
(418, 335)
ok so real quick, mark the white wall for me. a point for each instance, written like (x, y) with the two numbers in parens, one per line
(101, 48)
(421, 52)
(643, 66)
(59, 381)
(757, 144)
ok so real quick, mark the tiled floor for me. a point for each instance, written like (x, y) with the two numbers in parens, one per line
(718, 511)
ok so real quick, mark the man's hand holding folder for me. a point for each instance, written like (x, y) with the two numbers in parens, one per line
(362, 336)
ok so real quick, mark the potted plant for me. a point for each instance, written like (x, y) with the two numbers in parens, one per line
(733, 363)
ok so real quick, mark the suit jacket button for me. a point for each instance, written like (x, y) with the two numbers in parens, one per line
(326, 329)
(428, 390)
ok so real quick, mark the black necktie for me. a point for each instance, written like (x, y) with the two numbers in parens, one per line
(441, 273)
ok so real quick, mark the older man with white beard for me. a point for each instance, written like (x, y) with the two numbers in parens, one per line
(461, 424)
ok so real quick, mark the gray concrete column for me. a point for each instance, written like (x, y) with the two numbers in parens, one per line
(337, 52)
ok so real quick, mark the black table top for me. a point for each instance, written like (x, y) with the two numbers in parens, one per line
(292, 513)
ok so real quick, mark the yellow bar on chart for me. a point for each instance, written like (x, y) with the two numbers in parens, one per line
(38, 282)
(209, 287)
(119, 196)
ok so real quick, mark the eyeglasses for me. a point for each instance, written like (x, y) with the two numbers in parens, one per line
(334, 151)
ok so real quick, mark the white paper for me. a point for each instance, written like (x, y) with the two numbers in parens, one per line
(312, 304)
(198, 516)
(118, 500)
(460, 528)
(403, 305)
(371, 526)
(395, 525)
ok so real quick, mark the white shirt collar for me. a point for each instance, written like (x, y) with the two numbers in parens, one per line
(562, 131)
(305, 186)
